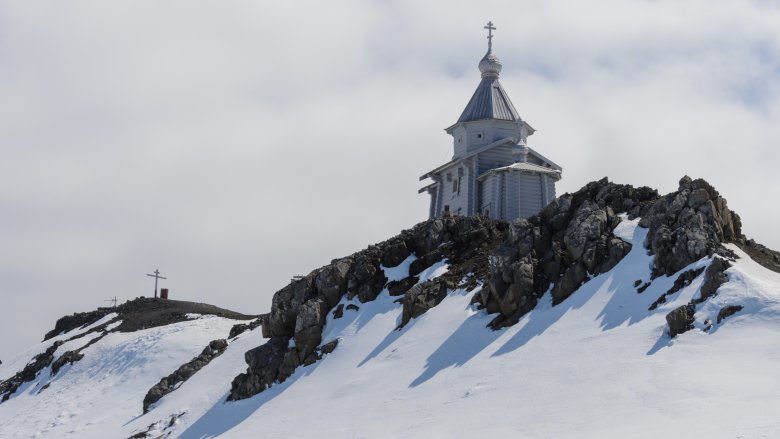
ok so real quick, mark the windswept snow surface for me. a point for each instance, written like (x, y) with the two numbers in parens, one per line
(597, 365)
(97, 396)
(17, 363)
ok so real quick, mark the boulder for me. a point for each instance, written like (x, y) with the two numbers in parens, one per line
(421, 298)
(264, 362)
(714, 277)
(680, 319)
(728, 311)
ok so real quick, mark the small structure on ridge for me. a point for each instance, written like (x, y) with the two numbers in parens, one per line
(493, 172)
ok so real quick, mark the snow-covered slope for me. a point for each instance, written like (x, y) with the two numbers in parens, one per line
(597, 365)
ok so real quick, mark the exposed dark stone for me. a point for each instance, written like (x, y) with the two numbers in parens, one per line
(637, 283)
(69, 357)
(397, 288)
(766, 257)
(421, 298)
(575, 276)
(728, 311)
(168, 384)
(680, 319)
(568, 242)
(339, 311)
(644, 287)
(331, 281)
(329, 346)
(143, 313)
(688, 225)
(394, 253)
(418, 265)
(30, 371)
(683, 280)
(714, 277)
(352, 307)
(240, 328)
(308, 327)
(264, 362)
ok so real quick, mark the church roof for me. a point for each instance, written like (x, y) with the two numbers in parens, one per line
(524, 166)
(490, 100)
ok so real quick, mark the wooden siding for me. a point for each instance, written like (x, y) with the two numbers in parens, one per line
(461, 147)
(529, 194)
(495, 158)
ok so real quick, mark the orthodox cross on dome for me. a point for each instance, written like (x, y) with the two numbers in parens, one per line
(490, 30)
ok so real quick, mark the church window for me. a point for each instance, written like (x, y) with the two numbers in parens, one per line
(449, 177)
(456, 186)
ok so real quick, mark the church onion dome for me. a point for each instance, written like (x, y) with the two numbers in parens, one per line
(490, 100)
(490, 65)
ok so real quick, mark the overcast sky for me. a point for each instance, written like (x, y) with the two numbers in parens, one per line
(235, 144)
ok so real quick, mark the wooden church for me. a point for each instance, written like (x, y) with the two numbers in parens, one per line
(493, 171)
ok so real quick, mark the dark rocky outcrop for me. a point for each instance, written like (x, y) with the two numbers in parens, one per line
(69, 357)
(766, 257)
(569, 241)
(30, 371)
(142, 313)
(299, 310)
(714, 277)
(423, 297)
(728, 311)
(687, 225)
(168, 384)
(264, 363)
(680, 319)
(240, 328)
(683, 280)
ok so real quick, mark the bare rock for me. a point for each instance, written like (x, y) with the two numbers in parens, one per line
(714, 277)
(728, 311)
(680, 319)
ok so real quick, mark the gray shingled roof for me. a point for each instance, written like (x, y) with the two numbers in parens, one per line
(490, 101)
(524, 166)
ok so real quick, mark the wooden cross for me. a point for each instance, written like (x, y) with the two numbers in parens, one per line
(113, 302)
(490, 30)
(156, 276)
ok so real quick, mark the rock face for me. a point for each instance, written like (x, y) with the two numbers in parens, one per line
(714, 277)
(30, 371)
(680, 319)
(569, 241)
(299, 310)
(168, 384)
(240, 328)
(69, 357)
(683, 280)
(728, 311)
(688, 225)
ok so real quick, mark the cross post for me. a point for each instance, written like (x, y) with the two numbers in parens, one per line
(156, 276)
(490, 28)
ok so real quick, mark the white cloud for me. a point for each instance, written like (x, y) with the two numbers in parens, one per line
(234, 145)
